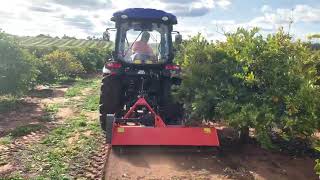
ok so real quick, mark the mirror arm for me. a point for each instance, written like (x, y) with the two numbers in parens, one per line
(111, 29)
(175, 32)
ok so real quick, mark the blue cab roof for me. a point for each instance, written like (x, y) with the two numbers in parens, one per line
(144, 14)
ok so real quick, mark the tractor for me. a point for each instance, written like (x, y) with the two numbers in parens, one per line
(136, 105)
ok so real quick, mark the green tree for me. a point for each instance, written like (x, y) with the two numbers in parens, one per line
(62, 63)
(314, 36)
(17, 71)
(250, 81)
(92, 59)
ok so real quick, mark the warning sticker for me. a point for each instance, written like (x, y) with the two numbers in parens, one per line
(207, 130)
(120, 130)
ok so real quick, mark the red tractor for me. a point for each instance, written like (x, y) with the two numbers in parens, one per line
(136, 106)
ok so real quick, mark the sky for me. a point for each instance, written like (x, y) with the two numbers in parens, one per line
(212, 18)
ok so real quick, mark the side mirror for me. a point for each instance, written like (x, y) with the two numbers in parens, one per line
(178, 38)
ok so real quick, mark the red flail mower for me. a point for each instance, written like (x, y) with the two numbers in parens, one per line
(136, 105)
(130, 131)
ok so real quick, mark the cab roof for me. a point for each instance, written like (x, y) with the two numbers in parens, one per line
(144, 14)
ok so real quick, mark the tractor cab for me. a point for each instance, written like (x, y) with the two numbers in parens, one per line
(144, 36)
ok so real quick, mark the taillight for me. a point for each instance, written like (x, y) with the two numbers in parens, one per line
(113, 65)
(172, 67)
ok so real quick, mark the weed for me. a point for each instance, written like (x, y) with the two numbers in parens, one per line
(69, 145)
(9, 103)
(73, 91)
(5, 140)
(67, 80)
(24, 130)
(62, 147)
(47, 117)
(91, 103)
(79, 86)
(50, 111)
(12, 177)
(51, 108)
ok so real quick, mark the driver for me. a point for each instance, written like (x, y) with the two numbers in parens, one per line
(142, 46)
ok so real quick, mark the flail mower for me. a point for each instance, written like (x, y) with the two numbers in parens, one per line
(136, 106)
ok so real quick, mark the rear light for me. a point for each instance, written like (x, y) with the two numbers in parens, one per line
(113, 65)
(172, 67)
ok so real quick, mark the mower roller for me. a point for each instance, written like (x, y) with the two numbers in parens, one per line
(136, 106)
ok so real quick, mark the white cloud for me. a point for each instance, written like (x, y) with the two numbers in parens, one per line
(266, 8)
(300, 13)
(50, 18)
(90, 17)
(271, 20)
(224, 3)
(306, 13)
(87, 17)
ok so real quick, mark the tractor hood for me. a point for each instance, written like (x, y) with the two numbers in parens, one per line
(142, 14)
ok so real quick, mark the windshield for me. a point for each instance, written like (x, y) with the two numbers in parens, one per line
(143, 43)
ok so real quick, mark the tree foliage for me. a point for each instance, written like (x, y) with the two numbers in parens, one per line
(92, 59)
(21, 68)
(251, 81)
(17, 71)
(314, 36)
(63, 63)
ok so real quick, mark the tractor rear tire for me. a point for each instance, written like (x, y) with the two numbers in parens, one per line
(171, 111)
(109, 127)
(173, 114)
(109, 98)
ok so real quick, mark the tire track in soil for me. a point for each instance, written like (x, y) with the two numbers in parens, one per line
(95, 169)
(7, 154)
(10, 162)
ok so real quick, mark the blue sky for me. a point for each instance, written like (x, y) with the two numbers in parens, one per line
(82, 18)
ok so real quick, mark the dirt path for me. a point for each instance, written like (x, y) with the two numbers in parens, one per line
(31, 109)
(78, 152)
(247, 163)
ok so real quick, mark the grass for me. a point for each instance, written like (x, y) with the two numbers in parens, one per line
(91, 103)
(51, 108)
(66, 148)
(74, 91)
(50, 112)
(8, 103)
(14, 176)
(79, 86)
(66, 80)
(6, 140)
(26, 129)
